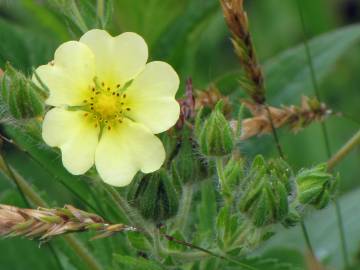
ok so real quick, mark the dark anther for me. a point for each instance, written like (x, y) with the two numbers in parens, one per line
(128, 109)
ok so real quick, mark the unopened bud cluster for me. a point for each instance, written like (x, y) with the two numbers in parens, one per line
(21, 98)
(265, 192)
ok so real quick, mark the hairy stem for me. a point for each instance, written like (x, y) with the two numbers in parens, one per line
(185, 205)
(133, 217)
(222, 180)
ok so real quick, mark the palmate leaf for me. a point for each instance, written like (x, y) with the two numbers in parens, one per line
(323, 228)
(287, 75)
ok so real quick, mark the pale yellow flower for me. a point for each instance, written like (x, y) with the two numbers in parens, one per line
(108, 105)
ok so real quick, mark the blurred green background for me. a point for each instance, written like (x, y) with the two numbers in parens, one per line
(192, 36)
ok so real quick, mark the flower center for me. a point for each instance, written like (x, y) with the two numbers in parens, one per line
(107, 105)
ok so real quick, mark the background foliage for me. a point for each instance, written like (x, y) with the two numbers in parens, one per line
(192, 36)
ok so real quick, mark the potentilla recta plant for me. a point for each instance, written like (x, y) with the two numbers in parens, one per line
(153, 168)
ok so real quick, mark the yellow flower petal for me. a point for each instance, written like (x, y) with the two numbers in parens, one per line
(118, 59)
(68, 77)
(75, 135)
(151, 97)
(125, 149)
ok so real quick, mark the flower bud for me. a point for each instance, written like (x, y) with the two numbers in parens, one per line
(265, 196)
(186, 165)
(315, 186)
(215, 136)
(21, 97)
(154, 196)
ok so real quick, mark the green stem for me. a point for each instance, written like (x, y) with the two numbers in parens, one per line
(324, 132)
(35, 199)
(226, 192)
(77, 17)
(344, 151)
(339, 156)
(185, 206)
(100, 9)
(274, 132)
(307, 238)
(342, 233)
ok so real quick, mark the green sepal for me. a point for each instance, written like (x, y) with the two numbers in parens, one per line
(216, 137)
(154, 195)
